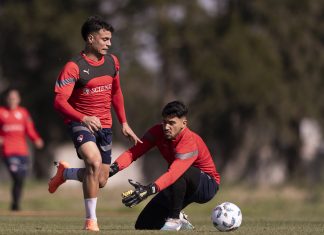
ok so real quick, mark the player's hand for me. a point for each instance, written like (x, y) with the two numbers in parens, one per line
(92, 122)
(114, 168)
(128, 132)
(131, 197)
(39, 144)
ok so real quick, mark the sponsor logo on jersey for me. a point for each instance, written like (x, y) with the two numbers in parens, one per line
(86, 71)
(12, 127)
(98, 89)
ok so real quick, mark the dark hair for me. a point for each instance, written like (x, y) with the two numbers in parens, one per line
(175, 109)
(8, 90)
(94, 24)
(6, 93)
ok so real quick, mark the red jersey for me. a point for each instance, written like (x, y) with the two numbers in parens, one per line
(88, 88)
(188, 149)
(14, 126)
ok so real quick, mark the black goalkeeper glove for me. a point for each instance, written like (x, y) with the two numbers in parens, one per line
(114, 168)
(131, 198)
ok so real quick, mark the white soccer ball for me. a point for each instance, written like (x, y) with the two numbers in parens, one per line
(226, 217)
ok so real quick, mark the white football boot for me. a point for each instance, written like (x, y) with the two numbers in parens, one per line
(172, 225)
(186, 225)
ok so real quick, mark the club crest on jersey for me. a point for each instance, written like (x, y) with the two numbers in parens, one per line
(80, 138)
(18, 115)
(86, 91)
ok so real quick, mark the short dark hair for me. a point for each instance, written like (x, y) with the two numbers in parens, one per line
(10, 89)
(6, 93)
(94, 24)
(175, 109)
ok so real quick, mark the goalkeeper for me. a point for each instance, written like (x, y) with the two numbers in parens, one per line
(191, 175)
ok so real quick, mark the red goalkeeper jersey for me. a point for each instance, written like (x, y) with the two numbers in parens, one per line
(188, 149)
(88, 88)
(15, 125)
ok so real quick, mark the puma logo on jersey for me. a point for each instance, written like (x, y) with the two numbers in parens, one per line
(86, 71)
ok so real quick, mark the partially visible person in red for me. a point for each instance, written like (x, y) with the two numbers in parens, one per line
(15, 125)
(86, 90)
(191, 175)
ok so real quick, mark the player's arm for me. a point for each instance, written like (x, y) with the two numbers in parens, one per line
(1, 132)
(63, 89)
(140, 192)
(118, 104)
(179, 166)
(130, 155)
(31, 131)
(118, 100)
(1, 139)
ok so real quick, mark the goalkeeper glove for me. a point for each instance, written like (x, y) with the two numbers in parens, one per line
(114, 168)
(131, 197)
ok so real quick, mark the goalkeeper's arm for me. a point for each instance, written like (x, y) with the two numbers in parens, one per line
(114, 168)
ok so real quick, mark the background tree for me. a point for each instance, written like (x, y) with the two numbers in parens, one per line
(250, 71)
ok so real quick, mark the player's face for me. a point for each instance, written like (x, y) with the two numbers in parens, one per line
(172, 126)
(100, 41)
(13, 99)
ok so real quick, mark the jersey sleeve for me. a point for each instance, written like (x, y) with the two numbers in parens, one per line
(132, 154)
(63, 89)
(1, 124)
(117, 95)
(30, 128)
(185, 155)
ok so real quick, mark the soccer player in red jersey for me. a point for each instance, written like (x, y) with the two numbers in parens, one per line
(191, 175)
(15, 125)
(85, 91)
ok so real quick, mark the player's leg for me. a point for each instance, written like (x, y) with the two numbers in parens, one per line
(92, 160)
(176, 193)
(205, 191)
(17, 167)
(16, 192)
(153, 216)
(201, 193)
(169, 204)
(80, 135)
(95, 154)
(104, 143)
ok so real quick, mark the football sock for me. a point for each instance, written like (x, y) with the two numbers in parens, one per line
(90, 206)
(71, 174)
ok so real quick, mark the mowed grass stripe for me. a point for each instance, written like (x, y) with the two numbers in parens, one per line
(286, 210)
(122, 224)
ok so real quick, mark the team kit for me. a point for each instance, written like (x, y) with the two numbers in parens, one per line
(86, 90)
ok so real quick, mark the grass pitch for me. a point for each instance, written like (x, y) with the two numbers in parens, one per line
(285, 210)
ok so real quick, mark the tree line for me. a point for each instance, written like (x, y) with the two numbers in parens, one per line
(250, 71)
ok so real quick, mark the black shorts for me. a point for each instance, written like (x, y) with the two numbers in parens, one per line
(103, 138)
(17, 165)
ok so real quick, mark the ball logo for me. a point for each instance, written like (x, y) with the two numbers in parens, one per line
(80, 138)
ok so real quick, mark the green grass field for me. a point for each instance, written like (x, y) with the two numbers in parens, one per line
(284, 210)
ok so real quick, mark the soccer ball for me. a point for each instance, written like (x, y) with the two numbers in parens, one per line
(226, 217)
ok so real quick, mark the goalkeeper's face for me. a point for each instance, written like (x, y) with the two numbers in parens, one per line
(172, 126)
